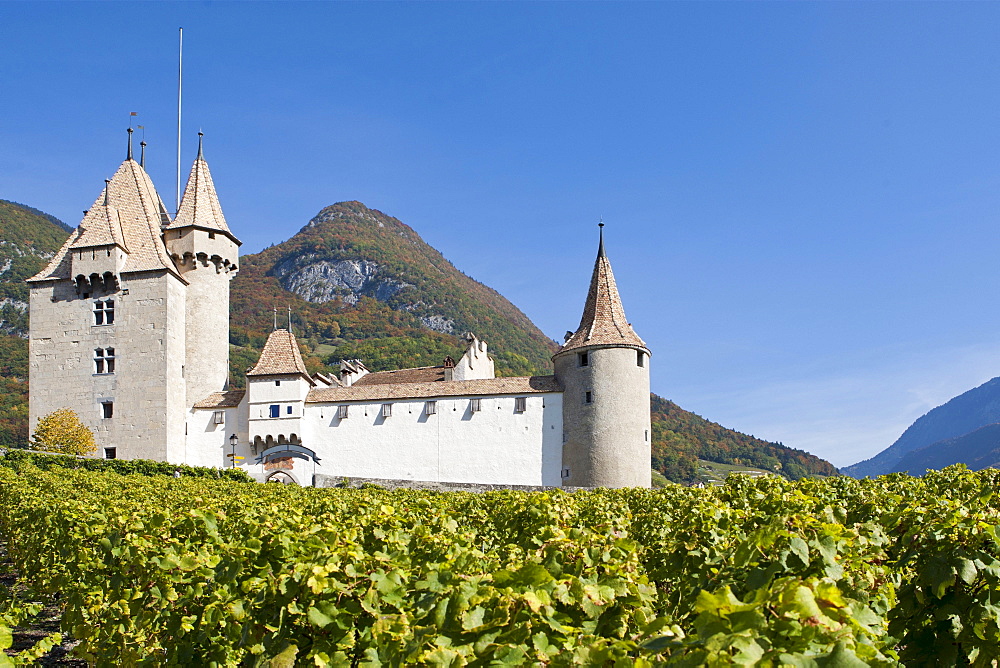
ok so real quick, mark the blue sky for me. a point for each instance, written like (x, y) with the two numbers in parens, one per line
(801, 198)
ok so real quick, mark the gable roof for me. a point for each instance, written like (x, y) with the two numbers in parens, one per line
(227, 399)
(478, 387)
(280, 357)
(424, 374)
(132, 219)
(603, 321)
(200, 204)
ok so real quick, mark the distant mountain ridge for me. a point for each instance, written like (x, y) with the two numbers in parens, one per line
(960, 416)
(978, 449)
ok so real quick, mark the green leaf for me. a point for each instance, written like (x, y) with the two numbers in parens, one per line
(841, 657)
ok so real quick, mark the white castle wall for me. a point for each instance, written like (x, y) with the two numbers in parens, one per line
(493, 446)
(208, 442)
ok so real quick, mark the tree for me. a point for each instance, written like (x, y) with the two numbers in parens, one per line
(61, 431)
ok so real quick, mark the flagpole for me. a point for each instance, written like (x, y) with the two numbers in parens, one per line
(180, 74)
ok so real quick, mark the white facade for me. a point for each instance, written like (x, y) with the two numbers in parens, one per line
(168, 281)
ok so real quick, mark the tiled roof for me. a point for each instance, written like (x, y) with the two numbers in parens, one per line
(140, 213)
(603, 321)
(200, 204)
(280, 357)
(424, 374)
(229, 399)
(481, 387)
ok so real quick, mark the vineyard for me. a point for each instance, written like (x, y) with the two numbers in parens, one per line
(152, 570)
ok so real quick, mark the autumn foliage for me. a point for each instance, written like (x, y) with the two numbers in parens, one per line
(61, 431)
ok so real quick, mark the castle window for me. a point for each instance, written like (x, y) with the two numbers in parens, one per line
(109, 311)
(565, 473)
(104, 360)
(520, 404)
(98, 312)
(275, 410)
(386, 410)
(211, 235)
(640, 359)
(107, 409)
(288, 410)
(342, 411)
(588, 397)
(430, 408)
(475, 405)
(277, 383)
(111, 453)
(584, 359)
(647, 434)
(218, 417)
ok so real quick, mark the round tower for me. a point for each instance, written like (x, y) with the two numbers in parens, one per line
(206, 254)
(604, 371)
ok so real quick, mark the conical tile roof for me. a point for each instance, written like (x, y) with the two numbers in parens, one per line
(603, 322)
(200, 203)
(280, 357)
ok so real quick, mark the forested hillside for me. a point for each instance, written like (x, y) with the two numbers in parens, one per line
(681, 438)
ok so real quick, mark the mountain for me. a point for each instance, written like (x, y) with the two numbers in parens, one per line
(28, 238)
(681, 438)
(362, 284)
(978, 449)
(959, 416)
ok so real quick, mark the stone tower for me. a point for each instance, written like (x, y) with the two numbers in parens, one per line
(107, 320)
(205, 253)
(604, 370)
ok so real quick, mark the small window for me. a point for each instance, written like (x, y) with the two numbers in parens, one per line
(98, 312)
(277, 383)
(288, 410)
(584, 359)
(109, 312)
(109, 359)
(218, 417)
(647, 434)
(99, 360)
(588, 397)
(430, 408)
(520, 404)
(640, 358)
(342, 411)
(275, 410)
(111, 453)
(386, 410)
(107, 409)
(211, 235)
(565, 473)
(475, 405)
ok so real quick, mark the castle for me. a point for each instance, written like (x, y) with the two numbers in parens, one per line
(130, 329)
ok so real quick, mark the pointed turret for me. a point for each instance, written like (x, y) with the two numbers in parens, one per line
(603, 322)
(199, 205)
(280, 357)
(206, 254)
(604, 368)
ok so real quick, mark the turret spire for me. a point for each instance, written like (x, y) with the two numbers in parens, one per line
(142, 154)
(201, 135)
(129, 156)
(603, 322)
(107, 187)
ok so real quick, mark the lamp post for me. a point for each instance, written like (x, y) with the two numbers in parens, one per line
(233, 441)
